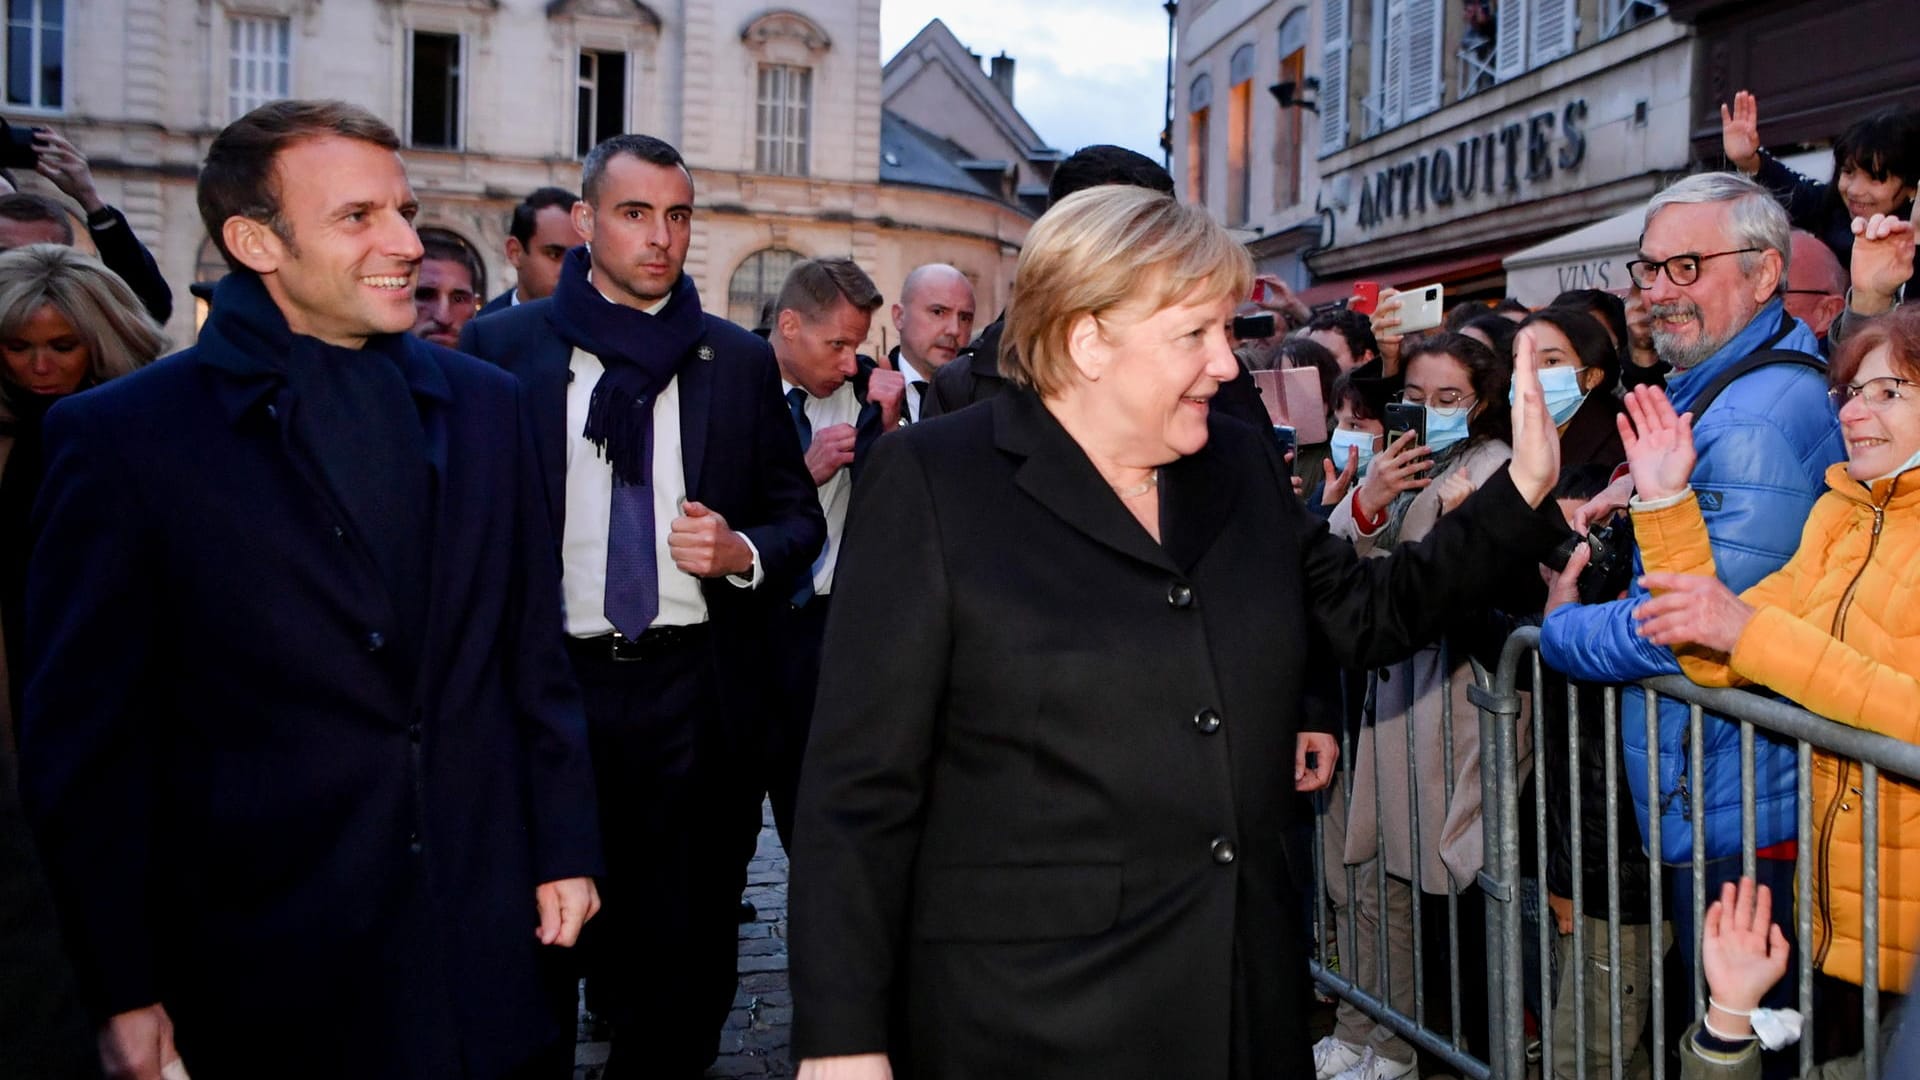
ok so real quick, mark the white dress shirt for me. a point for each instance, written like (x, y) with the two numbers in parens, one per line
(589, 495)
(910, 402)
(839, 407)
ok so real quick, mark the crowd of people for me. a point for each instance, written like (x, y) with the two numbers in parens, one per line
(395, 671)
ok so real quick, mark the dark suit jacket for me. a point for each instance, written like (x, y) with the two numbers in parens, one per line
(251, 809)
(742, 459)
(498, 303)
(1043, 813)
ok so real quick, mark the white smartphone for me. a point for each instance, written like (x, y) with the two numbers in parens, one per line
(1421, 309)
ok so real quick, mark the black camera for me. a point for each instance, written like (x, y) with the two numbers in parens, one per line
(1253, 327)
(1609, 565)
(16, 147)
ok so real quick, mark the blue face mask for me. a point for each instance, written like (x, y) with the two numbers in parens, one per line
(1446, 426)
(1348, 443)
(1561, 387)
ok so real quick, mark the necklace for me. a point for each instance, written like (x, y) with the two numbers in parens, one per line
(1152, 481)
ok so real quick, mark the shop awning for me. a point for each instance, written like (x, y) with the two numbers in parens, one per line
(1596, 256)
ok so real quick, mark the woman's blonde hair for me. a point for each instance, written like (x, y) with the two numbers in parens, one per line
(1098, 249)
(105, 313)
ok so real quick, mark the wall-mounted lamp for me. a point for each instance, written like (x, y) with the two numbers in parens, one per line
(1288, 94)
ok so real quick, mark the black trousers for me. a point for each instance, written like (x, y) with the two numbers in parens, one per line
(661, 958)
(796, 636)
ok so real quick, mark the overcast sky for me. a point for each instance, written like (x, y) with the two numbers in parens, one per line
(1087, 71)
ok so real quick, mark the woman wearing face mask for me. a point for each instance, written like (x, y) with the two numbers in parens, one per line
(66, 323)
(1836, 630)
(1408, 487)
(1358, 435)
(1579, 367)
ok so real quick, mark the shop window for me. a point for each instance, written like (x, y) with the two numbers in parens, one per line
(782, 127)
(1199, 105)
(258, 63)
(1335, 29)
(600, 99)
(756, 283)
(1240, 136)
(1619, 16)
(435, 75)
(1287, 143)
(36, 53)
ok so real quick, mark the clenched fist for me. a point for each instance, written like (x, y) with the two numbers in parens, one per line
(887, 388)
(703, 545)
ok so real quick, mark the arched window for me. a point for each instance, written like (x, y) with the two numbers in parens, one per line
(756, 282)
(1287, 148)
(1199, 106)
(786, 47)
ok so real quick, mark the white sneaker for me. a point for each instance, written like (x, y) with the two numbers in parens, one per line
(1333, 1056)
(1374, 1067)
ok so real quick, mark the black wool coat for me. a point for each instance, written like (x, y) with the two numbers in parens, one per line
(1042, 816)
(320, 858)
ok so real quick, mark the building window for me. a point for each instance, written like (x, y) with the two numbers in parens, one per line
(1533, 33)
(36, 50)
(1286, 148)
(1406, 62)
(435, 91)
(1335, 41)
(756, 283)
(1240, 136)
(257, 63)
(1620, 16)
(600, 99)
(1199, 105)
(785, 113)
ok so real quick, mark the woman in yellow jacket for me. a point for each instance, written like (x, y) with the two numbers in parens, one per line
(1837, 630)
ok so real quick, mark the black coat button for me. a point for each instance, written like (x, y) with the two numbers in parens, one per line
(414, 845)
(1223, 852)
(374, 641)
(1179, 595)
(414, 732)
(1206, 721)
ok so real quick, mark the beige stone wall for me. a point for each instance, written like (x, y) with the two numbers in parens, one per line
(147, 91)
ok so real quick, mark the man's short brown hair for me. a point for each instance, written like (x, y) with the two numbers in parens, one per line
(237, 179)
(813, 285)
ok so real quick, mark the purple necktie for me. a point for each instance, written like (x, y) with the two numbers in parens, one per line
(633, 574)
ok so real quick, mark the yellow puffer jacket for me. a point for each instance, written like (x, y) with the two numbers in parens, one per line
(1837, 630)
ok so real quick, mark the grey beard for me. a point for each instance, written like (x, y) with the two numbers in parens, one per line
(1684, 355)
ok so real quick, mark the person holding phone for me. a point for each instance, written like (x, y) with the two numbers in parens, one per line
(1460, 390)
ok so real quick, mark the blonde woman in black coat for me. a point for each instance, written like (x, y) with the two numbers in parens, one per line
(1042, 813)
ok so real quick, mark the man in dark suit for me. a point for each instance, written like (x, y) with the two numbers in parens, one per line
(539, 234)
(300, 742)
(934, 316)
(683, 511)
(841, 403)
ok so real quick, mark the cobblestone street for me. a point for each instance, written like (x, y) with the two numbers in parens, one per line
(755, 1042)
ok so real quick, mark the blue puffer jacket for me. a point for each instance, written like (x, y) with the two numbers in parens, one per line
(1764, 447)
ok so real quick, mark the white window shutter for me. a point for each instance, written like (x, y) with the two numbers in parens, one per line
(1552, 24)
(1389, 80)
(1510, 39)
(1424, 22)
(1334, 44)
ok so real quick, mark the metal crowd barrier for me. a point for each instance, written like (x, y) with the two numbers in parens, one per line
(1511, 720)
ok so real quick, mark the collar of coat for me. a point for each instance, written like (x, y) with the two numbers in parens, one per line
(247, 341)
(1197, 492)
(1900, 491)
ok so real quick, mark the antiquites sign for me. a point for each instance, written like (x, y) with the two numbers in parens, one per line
(1503, 160)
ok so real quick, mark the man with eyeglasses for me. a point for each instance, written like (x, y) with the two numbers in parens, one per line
(1713, 269)
(1816, 287)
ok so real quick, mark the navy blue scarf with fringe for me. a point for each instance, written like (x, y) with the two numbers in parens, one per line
(641, 354)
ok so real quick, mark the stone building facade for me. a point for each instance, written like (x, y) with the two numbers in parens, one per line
(778, 110)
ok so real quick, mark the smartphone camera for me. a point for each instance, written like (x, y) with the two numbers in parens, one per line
(1253, 327)
(16, 147)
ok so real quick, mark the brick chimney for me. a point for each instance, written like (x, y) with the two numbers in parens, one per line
(1002, 75)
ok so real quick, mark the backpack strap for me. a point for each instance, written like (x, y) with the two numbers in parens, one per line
(1766, 356)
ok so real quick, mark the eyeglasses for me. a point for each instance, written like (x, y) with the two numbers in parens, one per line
(1879, 394)
(1682, 270)
(1445, 399)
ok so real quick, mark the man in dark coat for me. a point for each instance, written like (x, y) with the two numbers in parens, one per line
(683, 510)
(300, 741)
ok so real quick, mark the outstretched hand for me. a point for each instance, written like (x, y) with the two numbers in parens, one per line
(1536, 438)
(1692, 609)
(1742, 952)
(1740, 132)
(1882, 260)
(1659, 444)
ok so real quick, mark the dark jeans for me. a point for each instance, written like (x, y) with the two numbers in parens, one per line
(661, 957)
